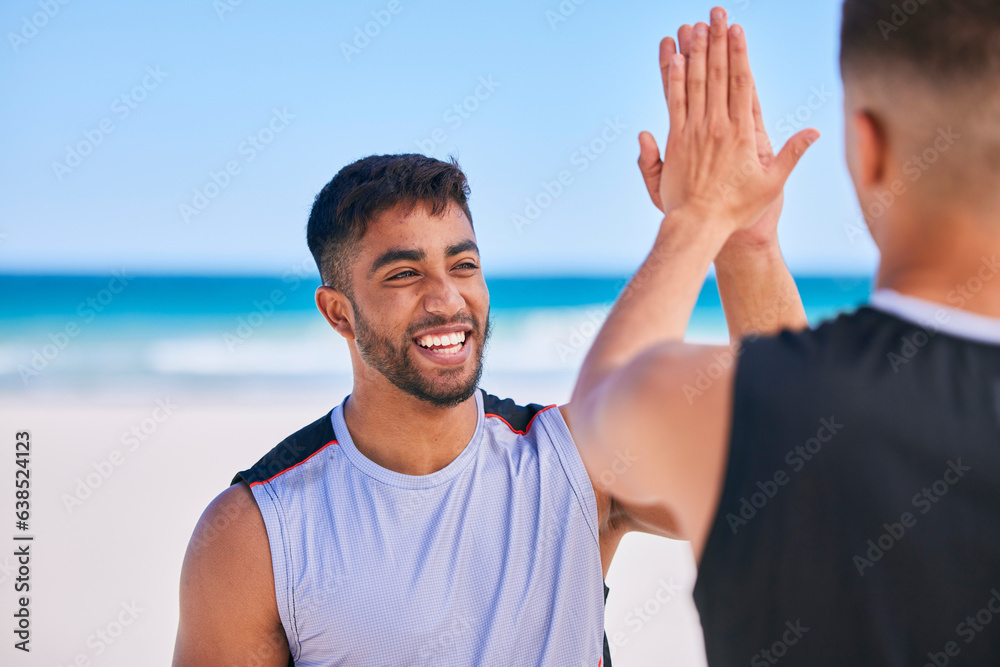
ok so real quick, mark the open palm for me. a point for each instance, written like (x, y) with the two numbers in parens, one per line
(765, 229)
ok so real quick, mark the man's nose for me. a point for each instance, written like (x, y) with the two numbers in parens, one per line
(443, 298)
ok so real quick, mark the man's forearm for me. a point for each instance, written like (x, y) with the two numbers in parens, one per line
(758, 292)
(656, 305)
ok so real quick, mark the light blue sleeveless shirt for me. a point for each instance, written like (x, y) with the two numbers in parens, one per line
(492, 560)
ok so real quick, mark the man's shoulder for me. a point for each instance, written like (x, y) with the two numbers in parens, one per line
(290, 452)
(227, 595)
(861, 324)
(226, 521)
(518, 418)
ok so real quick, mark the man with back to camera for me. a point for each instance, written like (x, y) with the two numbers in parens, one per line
(841, 486)
(423, 520)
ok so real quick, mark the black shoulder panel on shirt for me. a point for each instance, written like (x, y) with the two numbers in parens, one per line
(518, 416)
(607, 647)
(291, 451)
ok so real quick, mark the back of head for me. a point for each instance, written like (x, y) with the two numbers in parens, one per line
(943, 39)
(361, 191)
(922, 67)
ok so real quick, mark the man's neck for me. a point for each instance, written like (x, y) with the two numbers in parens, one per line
(959, 270)
(405, 434)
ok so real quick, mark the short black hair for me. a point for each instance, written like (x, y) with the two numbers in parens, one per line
(945, 41)
(362, 190)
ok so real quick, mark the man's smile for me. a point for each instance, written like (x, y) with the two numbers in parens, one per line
(448, 346)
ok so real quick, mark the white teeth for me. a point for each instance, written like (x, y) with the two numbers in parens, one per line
(447, 340)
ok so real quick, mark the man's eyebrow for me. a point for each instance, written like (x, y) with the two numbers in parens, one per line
(459, 248)
(396, 255)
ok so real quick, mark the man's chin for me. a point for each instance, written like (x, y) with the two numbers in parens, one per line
(446, 399)
(447, 387)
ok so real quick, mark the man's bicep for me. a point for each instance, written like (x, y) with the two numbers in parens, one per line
(228, 609)
(668, 415)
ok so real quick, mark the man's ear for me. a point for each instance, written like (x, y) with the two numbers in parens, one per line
(867, 151)
(337, 310)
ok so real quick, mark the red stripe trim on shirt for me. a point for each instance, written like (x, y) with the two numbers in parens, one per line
(526, 428)
(332, 442)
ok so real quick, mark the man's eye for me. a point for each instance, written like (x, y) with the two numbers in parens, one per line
(467, 264)
(403, 274)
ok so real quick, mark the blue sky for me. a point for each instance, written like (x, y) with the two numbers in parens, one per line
(161, 97)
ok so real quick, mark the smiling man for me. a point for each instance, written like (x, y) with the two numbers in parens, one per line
(421, 520)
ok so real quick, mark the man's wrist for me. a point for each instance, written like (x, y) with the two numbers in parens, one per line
(740, 256)
(689, 227)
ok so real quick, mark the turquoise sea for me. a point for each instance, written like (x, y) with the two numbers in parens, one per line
(98, 331)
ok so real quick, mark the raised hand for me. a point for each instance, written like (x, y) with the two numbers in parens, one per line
(762, 233)
(719, 159)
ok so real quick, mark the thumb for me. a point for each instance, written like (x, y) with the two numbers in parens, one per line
(792, 152)
(650, 165)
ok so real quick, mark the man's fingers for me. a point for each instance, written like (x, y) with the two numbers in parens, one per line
(758, 116)
(696, 72)
(651, 166)
(677, 100)
(649, 154)
(741, 88)
(764, 148)
(793, 151)
(717, 97)
(684, 39)
(668, 48)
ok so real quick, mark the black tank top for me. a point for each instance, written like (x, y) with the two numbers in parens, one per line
(859, 521)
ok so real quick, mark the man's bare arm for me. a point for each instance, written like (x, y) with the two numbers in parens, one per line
(229, 613)
(758, 293)
(675, 447)
(631, 389)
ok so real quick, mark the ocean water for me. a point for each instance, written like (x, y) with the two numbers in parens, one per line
(87, 332)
